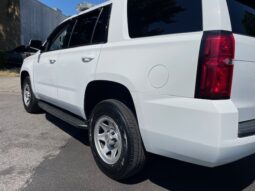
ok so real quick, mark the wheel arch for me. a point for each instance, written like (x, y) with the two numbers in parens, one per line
(99, 90)
(23, 75)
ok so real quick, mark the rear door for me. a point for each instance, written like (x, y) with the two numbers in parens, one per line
(77, 64)
(242, 15)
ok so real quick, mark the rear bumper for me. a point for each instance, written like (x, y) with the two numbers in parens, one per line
(198, 131)
(246, 128)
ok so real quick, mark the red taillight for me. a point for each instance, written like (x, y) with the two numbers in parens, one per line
(215, 70)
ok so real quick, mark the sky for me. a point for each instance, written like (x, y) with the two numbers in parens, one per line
(68, 7)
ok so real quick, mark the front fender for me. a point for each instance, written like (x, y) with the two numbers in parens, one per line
(28, 66)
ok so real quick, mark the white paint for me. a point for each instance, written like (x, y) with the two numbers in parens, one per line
(216, 15)
(158, 76)
(243, 89)
(172, 123)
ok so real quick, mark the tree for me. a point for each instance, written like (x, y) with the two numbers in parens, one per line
(83, 6)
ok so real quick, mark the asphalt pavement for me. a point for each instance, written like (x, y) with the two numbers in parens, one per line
(42, 153)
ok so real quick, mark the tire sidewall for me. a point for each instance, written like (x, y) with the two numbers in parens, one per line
(33, 101)
(115, 170)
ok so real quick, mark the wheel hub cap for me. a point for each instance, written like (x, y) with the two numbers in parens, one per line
(108, 140)
(27, 95)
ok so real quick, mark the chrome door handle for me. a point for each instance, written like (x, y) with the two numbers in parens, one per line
(52, 61)
(87, 59)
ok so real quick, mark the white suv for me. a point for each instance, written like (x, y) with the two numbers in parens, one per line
(170, 77)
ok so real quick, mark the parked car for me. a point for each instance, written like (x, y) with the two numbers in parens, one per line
(15, 57)
(169, 77)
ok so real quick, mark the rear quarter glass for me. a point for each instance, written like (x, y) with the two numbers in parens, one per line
(242, 15)
(162, 17)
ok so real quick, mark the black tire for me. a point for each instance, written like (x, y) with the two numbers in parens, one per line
(32, 106)
(132, 156)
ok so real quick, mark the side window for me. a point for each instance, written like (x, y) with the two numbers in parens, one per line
(82, 33)
(161, 17)
(242, 14)
(60, 38)
(101, 30)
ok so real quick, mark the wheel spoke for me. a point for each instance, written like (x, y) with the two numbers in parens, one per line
(114, 152)
(27, 94)
(107, 139)
(101, 137)
(111, 125)
(104, 127)
(105, 150)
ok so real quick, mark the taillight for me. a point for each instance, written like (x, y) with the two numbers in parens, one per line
(215, 70)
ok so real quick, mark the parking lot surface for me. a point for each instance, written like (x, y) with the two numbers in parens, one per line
(40, 152)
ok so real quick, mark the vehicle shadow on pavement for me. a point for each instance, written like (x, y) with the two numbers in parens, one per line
(178, 176)
(78, 134)
(175, 175)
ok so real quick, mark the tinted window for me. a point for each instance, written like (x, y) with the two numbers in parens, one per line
(101, 31)
(60, 37)
(160, 17)
(242, 13)
(84, 29)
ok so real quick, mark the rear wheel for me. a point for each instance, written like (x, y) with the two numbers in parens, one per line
(29, 100)
(115, 140)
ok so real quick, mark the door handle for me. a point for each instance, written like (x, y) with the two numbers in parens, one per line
(52, 61)
(86, 59)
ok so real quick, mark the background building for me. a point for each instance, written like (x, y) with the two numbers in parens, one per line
(23, 20)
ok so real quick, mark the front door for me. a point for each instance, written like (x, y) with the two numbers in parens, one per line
(46, 66)
(44, 76)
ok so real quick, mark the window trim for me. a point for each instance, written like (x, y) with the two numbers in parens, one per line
(94, 29)
(95, 26)
(107, 25)
(75, 21)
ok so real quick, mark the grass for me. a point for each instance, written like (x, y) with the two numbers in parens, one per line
(9, 72)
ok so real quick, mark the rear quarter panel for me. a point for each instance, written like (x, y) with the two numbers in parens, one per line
(155, 65)
(134, 61)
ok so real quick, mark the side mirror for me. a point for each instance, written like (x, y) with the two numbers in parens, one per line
(35, 44)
